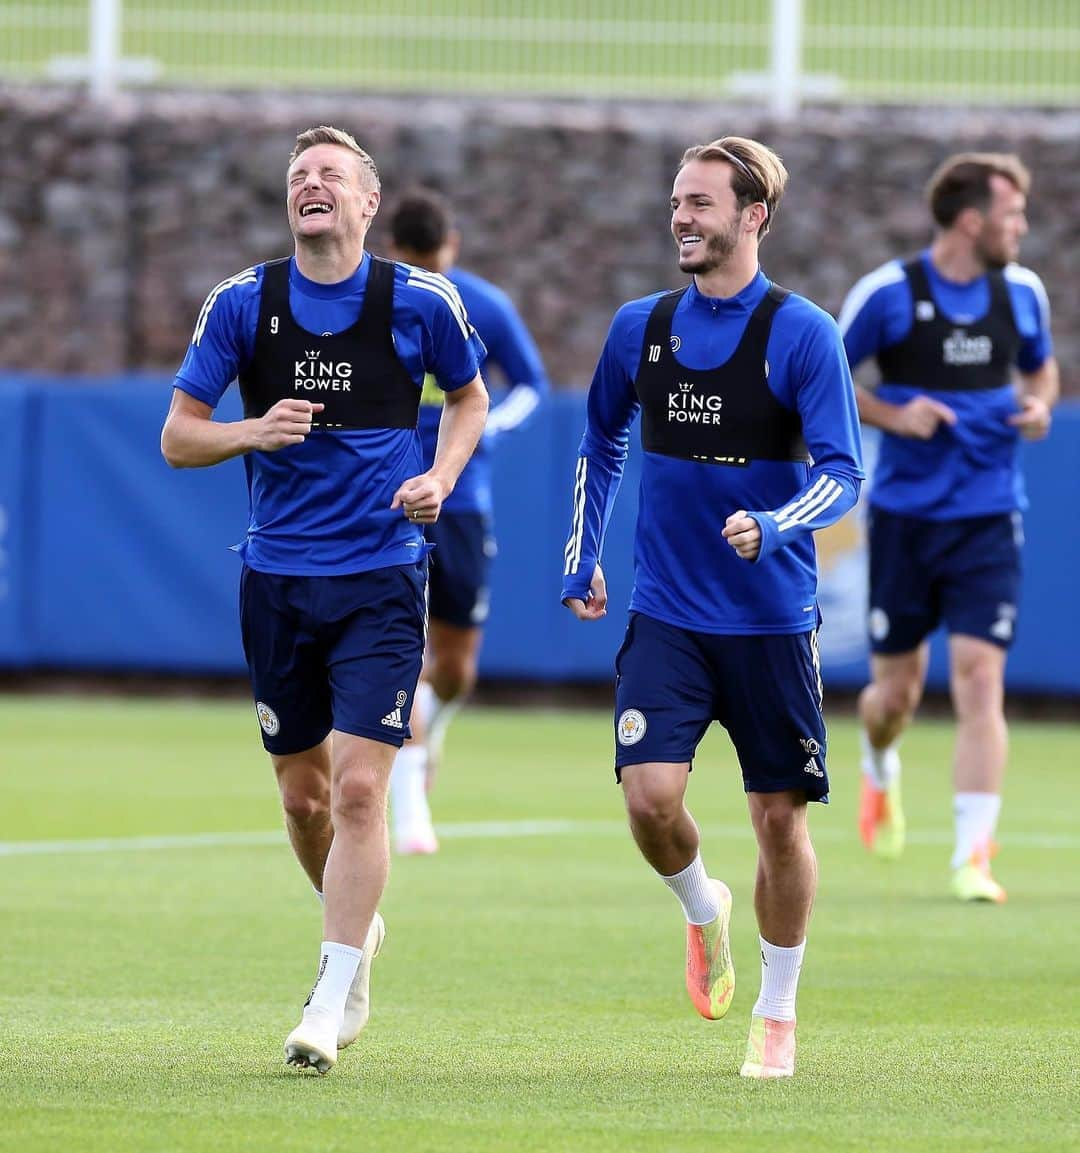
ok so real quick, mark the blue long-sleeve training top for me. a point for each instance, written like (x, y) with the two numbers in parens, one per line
(685, 573)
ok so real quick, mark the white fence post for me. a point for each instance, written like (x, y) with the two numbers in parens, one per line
(787, 35)
(104, 47)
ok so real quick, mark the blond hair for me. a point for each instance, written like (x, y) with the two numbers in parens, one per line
(758, 174)
(324, 134)
(963, 181)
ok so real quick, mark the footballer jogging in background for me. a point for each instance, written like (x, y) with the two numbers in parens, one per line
(423, 236)
(961, 336)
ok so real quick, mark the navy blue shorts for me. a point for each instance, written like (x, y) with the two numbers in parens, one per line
(671, 683)
(333, 652)
(460, 592)
(963, 572)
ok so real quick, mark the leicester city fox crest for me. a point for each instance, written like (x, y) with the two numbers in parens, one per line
(268, 719)
(631, 727)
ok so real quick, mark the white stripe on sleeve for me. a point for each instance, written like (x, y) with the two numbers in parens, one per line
(245, 277)
(811, 494)
(1020, 275)
(856, 299)
(572, 552)
(442, 287)
(514, 409)
(828, 496)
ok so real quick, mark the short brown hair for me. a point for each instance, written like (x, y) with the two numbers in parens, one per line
(421, 221)
(758, 174)
(963, 181)
(324, 134)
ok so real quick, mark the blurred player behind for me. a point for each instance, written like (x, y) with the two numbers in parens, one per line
(423, 235)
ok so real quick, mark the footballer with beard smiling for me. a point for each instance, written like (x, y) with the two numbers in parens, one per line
(751, 443)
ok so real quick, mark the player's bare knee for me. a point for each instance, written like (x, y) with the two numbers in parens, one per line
(448, 685)
(898, 698)
(977, 686)
(453, 678)
(780, 824)
(304, 784)
(305, 802)
(358, 796)
(650, 805)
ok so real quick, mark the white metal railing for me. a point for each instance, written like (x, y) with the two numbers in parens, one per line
(105, 57)
(781, 52)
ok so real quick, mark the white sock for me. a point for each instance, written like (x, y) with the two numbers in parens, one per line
(880, 766)
(696, 894)
(426, 701)
(780, 970)
(337, 968)
(444, 713)
(408, 789)
(976, 818)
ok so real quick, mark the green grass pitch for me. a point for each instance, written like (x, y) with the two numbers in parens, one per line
(529, 995)
(996, 50)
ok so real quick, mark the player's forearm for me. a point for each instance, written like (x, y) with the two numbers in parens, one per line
(875, 412)
(1045, 382)
(460, 429)
(190, 442)
(828, 496)
(596, 486)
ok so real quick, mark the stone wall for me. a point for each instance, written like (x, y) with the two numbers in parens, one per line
(115, 222)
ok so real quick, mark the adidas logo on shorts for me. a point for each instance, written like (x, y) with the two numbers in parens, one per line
(392, 720)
